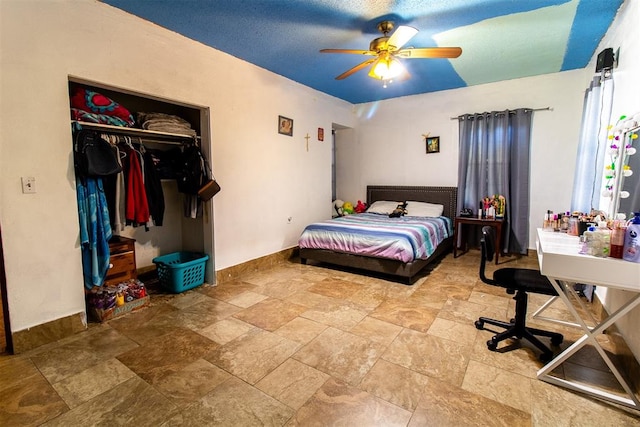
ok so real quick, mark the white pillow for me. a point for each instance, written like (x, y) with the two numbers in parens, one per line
(383, 207)
(424, 209)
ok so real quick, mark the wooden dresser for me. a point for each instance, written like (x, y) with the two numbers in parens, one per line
(123, 260)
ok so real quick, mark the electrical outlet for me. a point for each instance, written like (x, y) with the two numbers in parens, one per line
(28, 184)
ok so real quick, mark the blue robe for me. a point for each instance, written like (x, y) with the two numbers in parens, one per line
(95, 230)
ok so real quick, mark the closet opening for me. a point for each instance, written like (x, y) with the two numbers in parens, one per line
(185, 224)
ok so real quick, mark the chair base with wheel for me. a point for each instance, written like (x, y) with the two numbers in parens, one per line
(518, 281)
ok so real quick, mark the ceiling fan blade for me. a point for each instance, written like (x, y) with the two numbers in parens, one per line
(429, 52)
(401, 36)
(356, 68)
(356, 51)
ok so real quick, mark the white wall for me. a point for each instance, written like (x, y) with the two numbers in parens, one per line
(266, 177)
(388, 146)
(623, 34)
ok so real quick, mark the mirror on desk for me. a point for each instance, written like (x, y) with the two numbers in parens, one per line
(623, 173)
(630, 176)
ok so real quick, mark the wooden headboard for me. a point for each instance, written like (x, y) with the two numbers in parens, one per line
(446, 196)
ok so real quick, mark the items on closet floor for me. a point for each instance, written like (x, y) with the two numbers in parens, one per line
(121, 291)
(109, 302)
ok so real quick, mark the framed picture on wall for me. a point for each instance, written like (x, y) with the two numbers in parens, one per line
(433, 144)
(285, 126)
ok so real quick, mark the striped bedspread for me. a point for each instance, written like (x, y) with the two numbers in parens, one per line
(404, 239)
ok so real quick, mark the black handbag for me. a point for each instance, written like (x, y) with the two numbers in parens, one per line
(94, 156)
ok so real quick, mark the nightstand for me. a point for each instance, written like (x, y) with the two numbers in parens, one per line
(460, 221)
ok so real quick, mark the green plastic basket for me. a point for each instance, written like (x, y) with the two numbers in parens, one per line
(181, 271)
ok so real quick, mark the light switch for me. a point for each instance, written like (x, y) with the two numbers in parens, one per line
(28, 184)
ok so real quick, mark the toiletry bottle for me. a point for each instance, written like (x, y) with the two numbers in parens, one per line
(549, 221)
(631, 250)
(564, 226)
(603, 235)
(617, 239)
(573, 225)
(587, 240)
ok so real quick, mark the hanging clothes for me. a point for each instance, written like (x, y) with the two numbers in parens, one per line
(95, 230)
(153, 187)
(136, 204)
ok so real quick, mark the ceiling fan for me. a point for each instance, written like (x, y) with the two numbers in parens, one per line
(387, 49)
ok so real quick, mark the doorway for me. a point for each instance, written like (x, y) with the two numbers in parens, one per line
(5, 330)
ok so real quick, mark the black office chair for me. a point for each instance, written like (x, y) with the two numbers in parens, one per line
(518, 281)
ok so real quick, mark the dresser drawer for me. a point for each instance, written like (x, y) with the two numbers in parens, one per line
(122, 261)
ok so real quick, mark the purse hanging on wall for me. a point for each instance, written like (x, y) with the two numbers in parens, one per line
(210, 187)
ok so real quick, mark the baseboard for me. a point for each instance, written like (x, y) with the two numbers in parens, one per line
(49, 332)
(55, 330)
(268, 261)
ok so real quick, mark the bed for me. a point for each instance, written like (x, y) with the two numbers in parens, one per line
(407, 270)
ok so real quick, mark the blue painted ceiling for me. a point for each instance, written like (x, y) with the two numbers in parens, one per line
(500, 39)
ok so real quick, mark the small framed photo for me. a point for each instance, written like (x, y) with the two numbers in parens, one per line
(433, 144)
(320, 134)
(285, 125)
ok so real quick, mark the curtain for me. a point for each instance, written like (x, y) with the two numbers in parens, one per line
(494, 159)
(596, 114)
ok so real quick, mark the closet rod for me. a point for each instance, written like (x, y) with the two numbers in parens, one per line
(154, 141)
(147, 135)
(532, 109)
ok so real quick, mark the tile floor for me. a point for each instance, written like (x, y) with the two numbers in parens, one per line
(306, 345)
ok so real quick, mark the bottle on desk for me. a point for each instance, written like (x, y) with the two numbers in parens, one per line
(617, 239)
(596, 241)
(573, 226)
(631, 250)
(547, 225)
(603, 235)
(564, 222)
(588, 240)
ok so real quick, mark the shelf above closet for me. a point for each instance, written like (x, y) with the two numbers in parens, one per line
(146, 135)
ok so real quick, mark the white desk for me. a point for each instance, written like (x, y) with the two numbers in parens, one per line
(560, 261)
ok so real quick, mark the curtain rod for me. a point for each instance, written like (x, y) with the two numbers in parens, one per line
(532, 109)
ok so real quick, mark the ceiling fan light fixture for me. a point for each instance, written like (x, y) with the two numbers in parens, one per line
(386, 50)
(387, 69)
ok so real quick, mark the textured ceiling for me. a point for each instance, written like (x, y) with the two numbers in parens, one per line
(500, 39)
